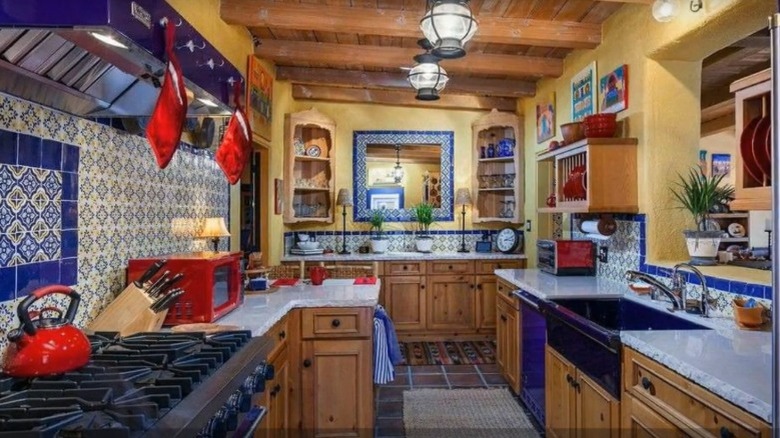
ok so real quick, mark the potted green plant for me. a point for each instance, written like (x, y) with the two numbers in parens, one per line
(379, 242)
(423, 214)
(700, 194)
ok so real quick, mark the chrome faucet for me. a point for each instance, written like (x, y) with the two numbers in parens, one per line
(677, 301)
(678, 281)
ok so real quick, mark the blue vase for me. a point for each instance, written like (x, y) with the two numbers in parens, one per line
(482, 152)
(491, 150)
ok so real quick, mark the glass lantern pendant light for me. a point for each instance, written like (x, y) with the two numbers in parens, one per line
(398, 171)
(665, 10)
(449, 25)
(427, 77)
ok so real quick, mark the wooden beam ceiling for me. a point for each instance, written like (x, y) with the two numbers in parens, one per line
(406, 24)
(402, 98)
(355, 56)
(643, 2)
(387, 80)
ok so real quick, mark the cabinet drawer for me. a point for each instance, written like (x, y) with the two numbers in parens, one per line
(354, 322)
(404, 268)
(451, 267)
(684, 403)
(488, 266)
(504, 292)
(278, 335)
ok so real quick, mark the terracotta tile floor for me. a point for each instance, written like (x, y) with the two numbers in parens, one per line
(389, 398)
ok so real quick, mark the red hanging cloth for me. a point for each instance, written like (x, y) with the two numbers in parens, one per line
(236, 146)
(167, 121)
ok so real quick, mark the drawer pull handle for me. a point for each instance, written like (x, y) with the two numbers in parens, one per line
(282, 334)
(726, 433)
(276, 390)
(422, 286)
(576, 385)
(449, 267)
(569, 379)
(306, 363)
(335, 323)
(405, 268)
(498, 266)
(503, 318)
(646, 383)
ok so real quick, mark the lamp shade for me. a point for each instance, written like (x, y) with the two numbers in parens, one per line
(427, 77)
(463, 197)
(214, 227)
(448, 25)
(344, 198)
(665, 10)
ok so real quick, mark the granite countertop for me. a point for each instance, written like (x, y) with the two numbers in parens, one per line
(261, 311)
(410, 255)
(731, 363)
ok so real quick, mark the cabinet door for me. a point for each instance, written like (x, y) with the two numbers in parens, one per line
(512, 348)
(501, 336)
(639, 421)
(559, 395)
(337, 388)
(277, 421)
(486, 302)
(451, 302)
(598, 413)
(405, 301)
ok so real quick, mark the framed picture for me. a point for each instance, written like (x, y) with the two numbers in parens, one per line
(583, 93)
(390, 198)
(278, 195)
(259, 98)
(545, 119)
(721, 164)
(703, 161)
(613, 89)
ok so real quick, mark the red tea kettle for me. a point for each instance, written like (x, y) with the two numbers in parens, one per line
(46, 346)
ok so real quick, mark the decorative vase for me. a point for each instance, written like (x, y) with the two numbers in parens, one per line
(379, 245)
(491, 150)
(703, 246)
(424, 243)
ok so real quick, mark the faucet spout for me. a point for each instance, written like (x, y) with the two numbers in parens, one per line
(704, 303)
(632, 275)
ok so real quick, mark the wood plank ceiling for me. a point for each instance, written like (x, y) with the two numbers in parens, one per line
(326, 47)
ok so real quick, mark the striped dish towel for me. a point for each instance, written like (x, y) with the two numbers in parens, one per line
(383, 368)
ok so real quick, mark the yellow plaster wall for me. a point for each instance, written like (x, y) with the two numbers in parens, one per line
(664, 63)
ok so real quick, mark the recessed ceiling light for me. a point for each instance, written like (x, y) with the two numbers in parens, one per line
(108, 39)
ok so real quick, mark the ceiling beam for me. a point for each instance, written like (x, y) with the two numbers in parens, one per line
(405, 24)
(388, 80)
(401, 98)
(356, 56)
(643, 2)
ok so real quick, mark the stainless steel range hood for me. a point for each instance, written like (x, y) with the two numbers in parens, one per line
(105, 61)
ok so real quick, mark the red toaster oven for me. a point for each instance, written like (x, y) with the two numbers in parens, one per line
(212, 284)
(566, 257)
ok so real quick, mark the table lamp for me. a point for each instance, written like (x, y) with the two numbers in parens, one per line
(463, 197)
(214, 228)
(344, 199)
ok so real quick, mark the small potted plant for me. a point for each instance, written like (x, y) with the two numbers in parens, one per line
(700, 194)
(379, 242)
(423, 213)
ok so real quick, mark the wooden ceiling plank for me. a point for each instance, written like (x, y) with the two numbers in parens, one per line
(396, 80)
(284, 52)
(643, 2)
(364, 21)
(401, 98)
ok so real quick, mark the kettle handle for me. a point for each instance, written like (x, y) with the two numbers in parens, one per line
(23, 310)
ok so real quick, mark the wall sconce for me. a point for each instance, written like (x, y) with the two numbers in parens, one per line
(665, 10)
(696, 5)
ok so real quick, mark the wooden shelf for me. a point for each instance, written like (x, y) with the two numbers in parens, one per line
(497, 160)
(734, 240)
(308, 158)
(312, 189)
(498, 189)
(501, 219)
(564, 151)
(728, 215)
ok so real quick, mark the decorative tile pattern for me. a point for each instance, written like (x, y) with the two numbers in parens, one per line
(361, 139)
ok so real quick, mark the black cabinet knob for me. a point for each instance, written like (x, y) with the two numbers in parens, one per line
(449, 267)
(422, 286)
(405, 267)
(646, 383)
(569, 379)
(335, 323)
(503, 317)
(726, 433)
(306, 363)
(282, 334)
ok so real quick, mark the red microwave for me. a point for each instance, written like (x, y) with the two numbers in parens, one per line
(212, 284)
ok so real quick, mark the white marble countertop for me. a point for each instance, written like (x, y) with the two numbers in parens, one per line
(731, 363)
(261, 311)
(410, 255)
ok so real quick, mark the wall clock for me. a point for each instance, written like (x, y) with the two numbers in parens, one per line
(508, 240)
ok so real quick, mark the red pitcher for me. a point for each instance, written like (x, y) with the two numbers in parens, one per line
(317, 274)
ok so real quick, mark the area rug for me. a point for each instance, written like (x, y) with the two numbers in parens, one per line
(464, 413)
(449, 353)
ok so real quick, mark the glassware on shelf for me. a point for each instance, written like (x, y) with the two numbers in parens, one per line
(502, 211)
(483, 181)
(509, 180)
(495, 181)
(510, 209)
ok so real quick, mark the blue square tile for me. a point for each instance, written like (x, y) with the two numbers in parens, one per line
(29, 151)
(28, 278)
(738, 287)
(652, 269)
(50, 272)
(70, 158)
(7, 283)
(768, 292)
(70, 243)
(69, 271)
(70, 186)
(8, 147)
(70, 215)
(754, 290)
(722, 284)
(51, 155)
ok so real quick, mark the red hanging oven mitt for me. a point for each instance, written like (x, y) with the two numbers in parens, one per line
(236, 146)
(167, 121)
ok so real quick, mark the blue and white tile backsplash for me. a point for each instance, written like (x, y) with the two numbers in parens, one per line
(79, 198)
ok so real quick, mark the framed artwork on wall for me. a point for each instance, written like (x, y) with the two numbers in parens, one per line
(613, 89)
(583, 93)
(278, 195)
(259, 98)
(721, 164)
(545, 119)
(703, 161)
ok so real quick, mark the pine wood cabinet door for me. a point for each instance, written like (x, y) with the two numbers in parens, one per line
(598, 413)
(277, 421)
(337, 390)
(512, 348)
(405, 301)
(451, 301)
(501, 336)
(486, 302)
(559, 395)
(639, 421)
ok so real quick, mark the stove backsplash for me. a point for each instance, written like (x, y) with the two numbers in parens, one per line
(78, 198)
(627, 249)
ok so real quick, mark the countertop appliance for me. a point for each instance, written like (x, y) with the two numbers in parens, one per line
(534, 338)
(566, 257)
(212, 284)
(145, 385)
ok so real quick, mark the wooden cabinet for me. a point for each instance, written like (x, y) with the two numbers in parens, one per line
(508, 338)
(404, 298)
(451, 300)
(486, 301)
(498, 178)
(603, 169)
(662, 398)
(309, 171)
(639, 421)
(577, 405)
(276, 399)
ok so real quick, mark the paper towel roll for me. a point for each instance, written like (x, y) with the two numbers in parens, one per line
(599, 229)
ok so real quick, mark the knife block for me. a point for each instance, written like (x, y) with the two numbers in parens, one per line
(129, 313)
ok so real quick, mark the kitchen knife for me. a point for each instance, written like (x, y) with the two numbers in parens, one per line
(149, 273)
(165, 286)
(150, 290)
(165, 301)
(156, 305)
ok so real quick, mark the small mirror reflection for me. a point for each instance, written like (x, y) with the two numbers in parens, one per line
(402, 176)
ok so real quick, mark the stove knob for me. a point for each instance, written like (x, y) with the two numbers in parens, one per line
(266, 370)
(257, 382)
(247, 389)
(220, 430)
(231, 417)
